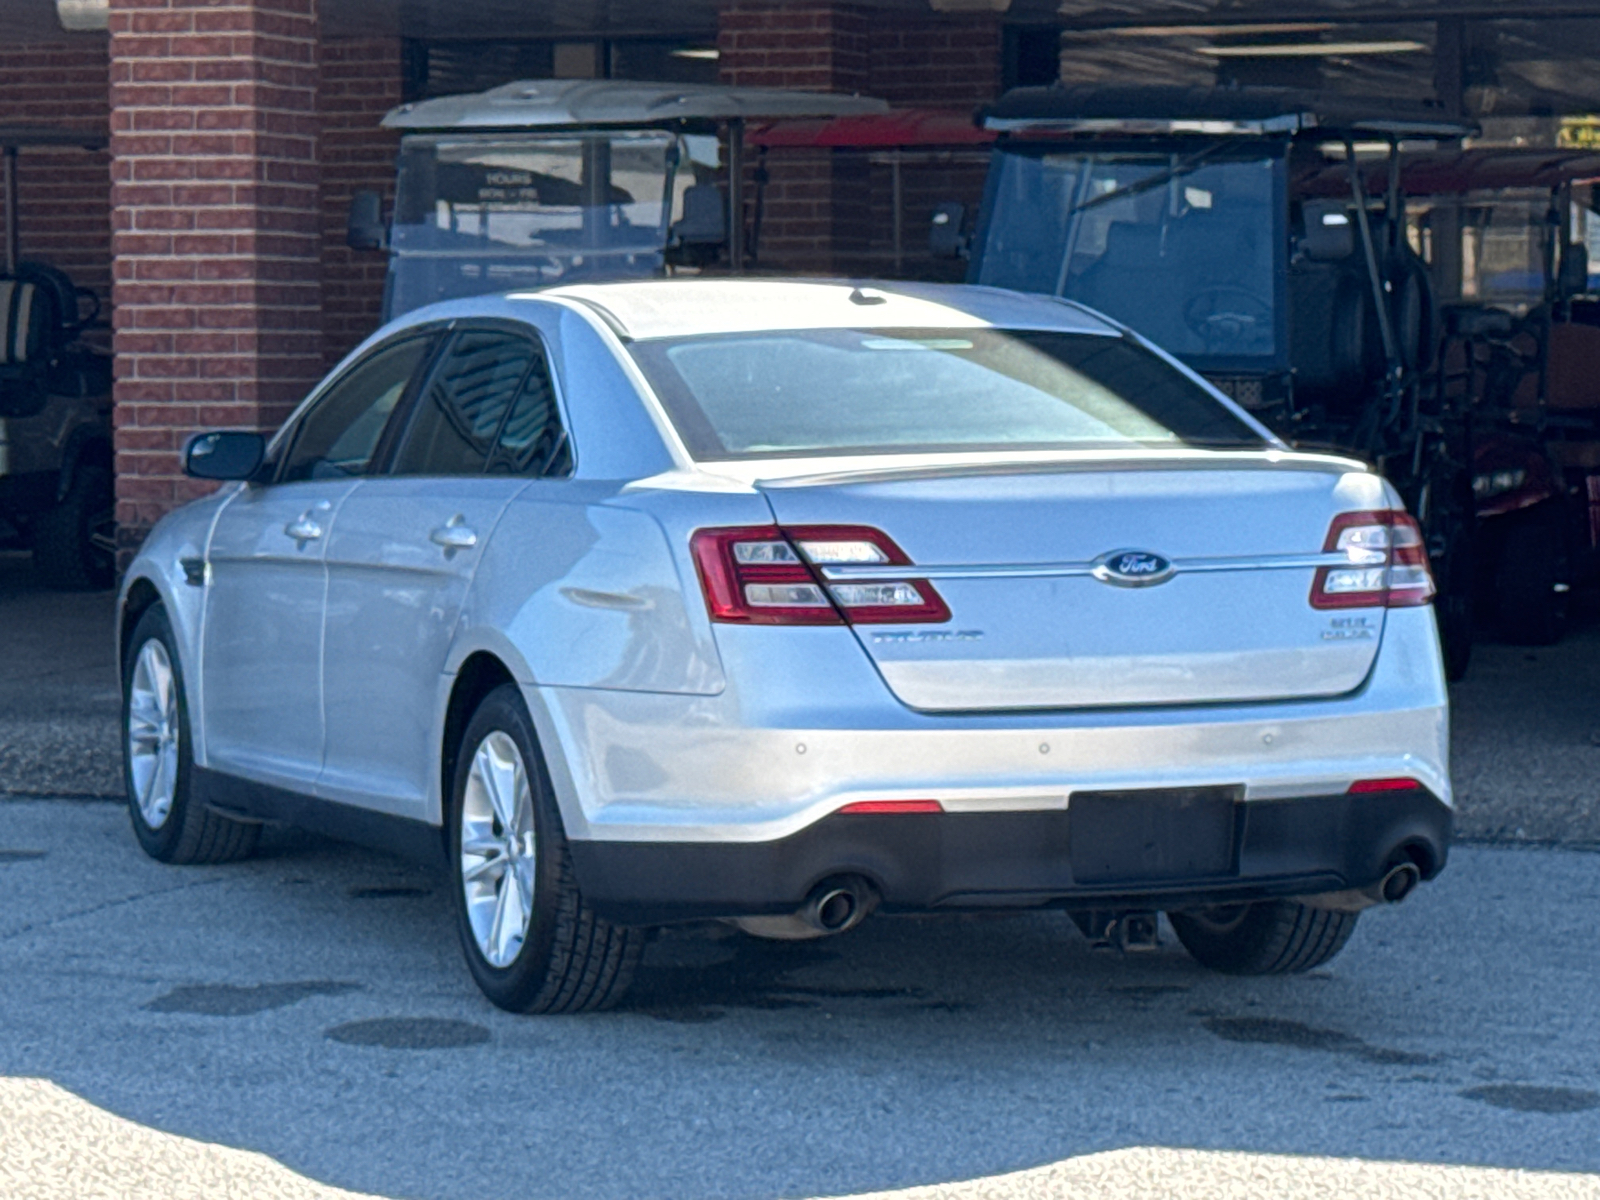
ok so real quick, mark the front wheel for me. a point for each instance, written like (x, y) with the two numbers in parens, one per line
(531, 942)
(171, 824)
(1268, 937)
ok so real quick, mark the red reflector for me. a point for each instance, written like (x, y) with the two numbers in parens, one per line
(1383, 785)
(893, 806)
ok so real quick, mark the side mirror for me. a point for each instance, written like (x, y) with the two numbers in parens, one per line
(1330, 233)
(364, 228)
(224, 455)
(1574, 278)
(705, 217)
(947, 234)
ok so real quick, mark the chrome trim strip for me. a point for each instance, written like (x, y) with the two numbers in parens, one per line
(1180, 566)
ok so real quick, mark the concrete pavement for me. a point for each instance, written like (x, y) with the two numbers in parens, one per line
(311, 1006)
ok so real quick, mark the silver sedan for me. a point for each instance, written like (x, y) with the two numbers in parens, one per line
(780, 603)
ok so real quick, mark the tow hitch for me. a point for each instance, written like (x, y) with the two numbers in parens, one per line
(1121, 931)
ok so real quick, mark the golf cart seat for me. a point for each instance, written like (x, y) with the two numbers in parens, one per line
(39, 321)
(1573, 379)
(29, 342)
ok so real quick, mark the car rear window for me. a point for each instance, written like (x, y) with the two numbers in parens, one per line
(896, 391)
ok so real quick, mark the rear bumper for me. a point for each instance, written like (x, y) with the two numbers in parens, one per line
(924, 862)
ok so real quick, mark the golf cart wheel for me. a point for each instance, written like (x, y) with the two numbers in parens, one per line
(158, 762)
(531, 941)
(1454, 605)
(1268, 937)
(1530, 581)
(73, 550)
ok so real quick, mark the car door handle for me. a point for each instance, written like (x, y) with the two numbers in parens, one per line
(303, 528)
(454, 536)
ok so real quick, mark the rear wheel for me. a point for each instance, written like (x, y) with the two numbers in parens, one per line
(73, 543)
(531, 942)
(1530, 581)
(1268, 937)
(171, 825)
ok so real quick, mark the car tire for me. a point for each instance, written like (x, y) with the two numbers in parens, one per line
(158, 761)
(511, 869)
(1531, 611)
(1268, 937)
(67, 553)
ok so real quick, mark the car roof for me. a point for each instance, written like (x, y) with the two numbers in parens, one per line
(684, 307)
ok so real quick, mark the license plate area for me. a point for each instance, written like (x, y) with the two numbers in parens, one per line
(1164, 835)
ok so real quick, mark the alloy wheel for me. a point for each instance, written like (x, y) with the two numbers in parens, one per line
(153, 733)
(498, 847)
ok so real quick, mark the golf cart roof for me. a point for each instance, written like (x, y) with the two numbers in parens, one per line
(577, 103)
(1451, 173)
(51, 135)
(1145, 111)
(897, 129)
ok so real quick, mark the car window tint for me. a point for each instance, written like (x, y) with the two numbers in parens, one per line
(460, 414)
(532, 441)
(340, 432)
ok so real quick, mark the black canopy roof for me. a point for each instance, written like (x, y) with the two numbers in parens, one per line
(1226, 111)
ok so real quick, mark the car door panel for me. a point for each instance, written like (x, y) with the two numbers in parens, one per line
(261, 647)
(261, 659)
(402, 559)
(396, 589)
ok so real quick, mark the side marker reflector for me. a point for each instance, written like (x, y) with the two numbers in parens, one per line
(893, 806)
(1361, 786)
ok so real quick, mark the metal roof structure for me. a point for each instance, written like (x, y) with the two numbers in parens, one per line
(1220, 110)
(580, 103)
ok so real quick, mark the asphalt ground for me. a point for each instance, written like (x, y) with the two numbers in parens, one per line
(310, 1006)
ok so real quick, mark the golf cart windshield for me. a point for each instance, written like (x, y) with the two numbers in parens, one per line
(487, 212)
(1183, 246)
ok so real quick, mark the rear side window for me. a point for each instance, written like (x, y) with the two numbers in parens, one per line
(339, 433)
(886, 391)
(532, 440)
(458, 418)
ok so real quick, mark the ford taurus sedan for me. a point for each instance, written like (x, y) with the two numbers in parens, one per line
(779, 603)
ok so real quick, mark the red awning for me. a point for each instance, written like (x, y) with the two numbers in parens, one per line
(896, 129)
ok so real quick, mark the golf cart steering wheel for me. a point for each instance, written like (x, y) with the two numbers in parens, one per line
(1225, 316)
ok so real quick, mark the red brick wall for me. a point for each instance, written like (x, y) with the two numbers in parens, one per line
(814, 47)
(64, 194)
(360, 82)
(217, 229)
(829, 212)
(934, 61)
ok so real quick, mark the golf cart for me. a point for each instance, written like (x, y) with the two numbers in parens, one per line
(1185, 214)
(555, 181)
(55, 402)
(1521, 355)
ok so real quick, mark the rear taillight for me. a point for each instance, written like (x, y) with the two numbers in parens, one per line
(1386, 563)
(764, 575)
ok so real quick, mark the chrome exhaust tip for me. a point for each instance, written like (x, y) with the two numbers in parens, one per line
(1399, 883)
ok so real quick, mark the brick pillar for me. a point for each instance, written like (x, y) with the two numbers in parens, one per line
(360, 82)
(816, 203)
(217, 232)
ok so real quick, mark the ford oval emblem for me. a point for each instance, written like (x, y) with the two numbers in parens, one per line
(1133, 568)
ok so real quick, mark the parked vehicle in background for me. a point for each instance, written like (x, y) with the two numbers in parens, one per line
(1521, 355)
(780, 603)
(552, 181)
(1186, 213)
(55, 403)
